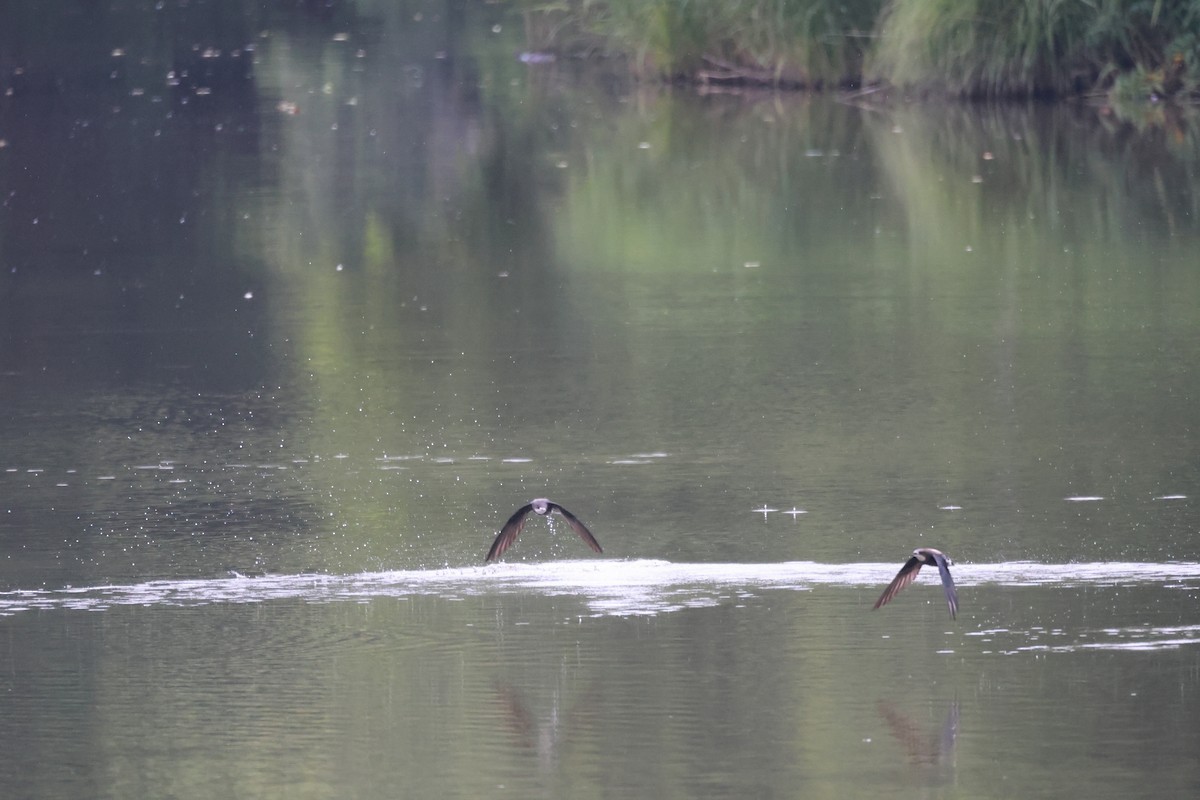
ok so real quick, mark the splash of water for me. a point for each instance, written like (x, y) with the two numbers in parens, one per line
(607, 586)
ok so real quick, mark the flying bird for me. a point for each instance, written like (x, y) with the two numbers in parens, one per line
(543, 507)
(908, 573)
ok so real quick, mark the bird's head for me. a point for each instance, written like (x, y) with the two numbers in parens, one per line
(541, 506)
(926, 555)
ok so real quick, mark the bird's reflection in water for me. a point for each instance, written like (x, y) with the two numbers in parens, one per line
(548, 734)
(930, 752)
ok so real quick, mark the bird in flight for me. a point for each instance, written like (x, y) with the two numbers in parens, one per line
(908, 573)
(542, 507)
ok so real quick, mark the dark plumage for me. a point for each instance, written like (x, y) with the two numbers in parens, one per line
(543, 507)
(908, 573)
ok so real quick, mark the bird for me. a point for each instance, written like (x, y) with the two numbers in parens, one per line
(543, 507)
(908, 573)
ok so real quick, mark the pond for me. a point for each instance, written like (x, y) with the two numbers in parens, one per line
(296, 309)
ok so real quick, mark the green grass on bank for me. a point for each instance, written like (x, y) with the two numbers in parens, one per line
(1131, 49)
(811, 43)
(1039, 47)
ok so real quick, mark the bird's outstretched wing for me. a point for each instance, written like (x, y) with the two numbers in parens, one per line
(906, 575)
(947, 584)
(577, 526)
(508, 534)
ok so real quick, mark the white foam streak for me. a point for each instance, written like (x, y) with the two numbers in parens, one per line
(607, 586)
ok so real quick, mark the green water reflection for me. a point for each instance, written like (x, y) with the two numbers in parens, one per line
(343, 301)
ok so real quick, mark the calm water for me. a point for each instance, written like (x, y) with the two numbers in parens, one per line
(297, 306)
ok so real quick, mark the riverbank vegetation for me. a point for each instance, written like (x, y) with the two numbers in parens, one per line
(1123, 49)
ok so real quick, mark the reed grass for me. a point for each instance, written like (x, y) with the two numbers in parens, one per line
(1035, 47)
(814, 43)
(977, 48)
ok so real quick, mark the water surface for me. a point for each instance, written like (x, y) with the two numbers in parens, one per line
(296, 308)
